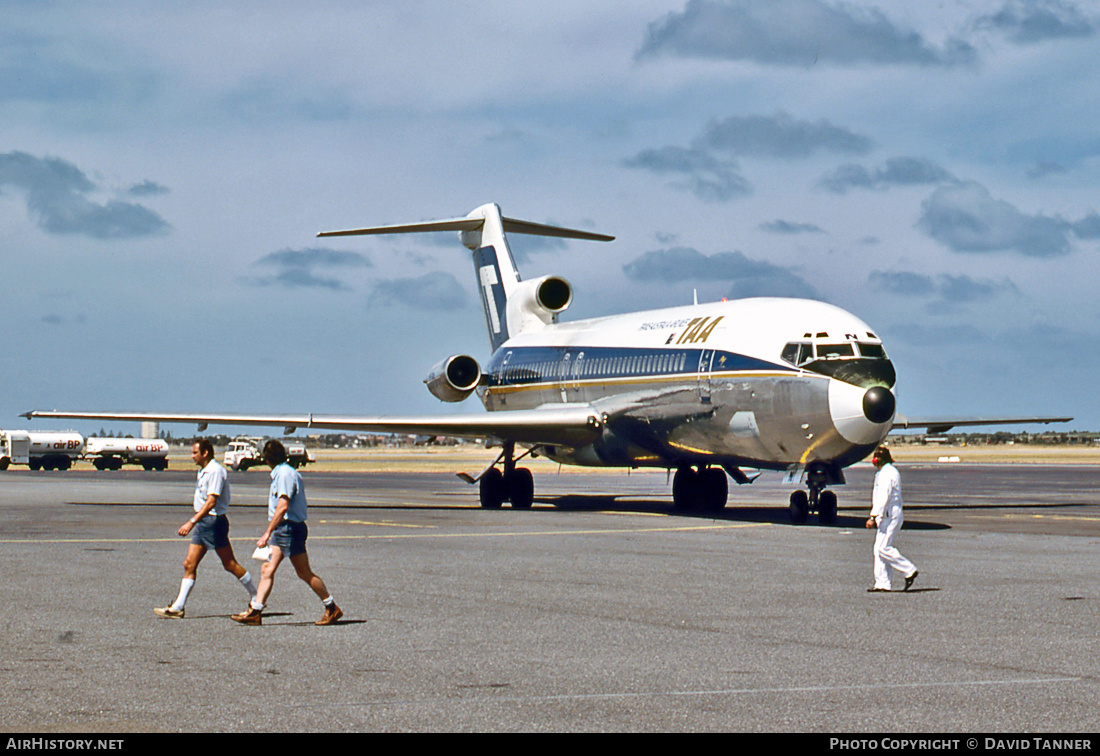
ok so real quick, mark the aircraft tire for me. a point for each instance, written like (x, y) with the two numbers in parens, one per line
(491, 489)
(715, 488)
(521, 488)
(686, 488)
(826, 508)
(800, 506)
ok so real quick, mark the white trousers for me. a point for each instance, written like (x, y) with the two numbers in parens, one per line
(886, 555)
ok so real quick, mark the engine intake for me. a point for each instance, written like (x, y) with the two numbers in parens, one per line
(537, 303)
(454, 379)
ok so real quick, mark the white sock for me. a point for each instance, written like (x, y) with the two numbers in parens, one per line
(256, 605)
(328, 601)
(185, 590)
(246, 581)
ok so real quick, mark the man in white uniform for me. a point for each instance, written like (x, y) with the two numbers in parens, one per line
(887, 517)
(208, 528)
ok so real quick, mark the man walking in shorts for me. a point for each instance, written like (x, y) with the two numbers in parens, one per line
(208, 528)
(286, 534)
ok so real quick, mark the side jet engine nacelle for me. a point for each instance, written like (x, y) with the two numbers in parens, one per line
(537, 303)
(454, 379)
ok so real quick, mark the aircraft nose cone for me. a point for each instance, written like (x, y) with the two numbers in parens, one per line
(861, 416)
(879, 404)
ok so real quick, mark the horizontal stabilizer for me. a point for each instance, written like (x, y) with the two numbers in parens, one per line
(944, 424)
(514, 226)
(454, 224)
(511, 225)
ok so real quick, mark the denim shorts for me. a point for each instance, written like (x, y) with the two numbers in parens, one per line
(211, 531)
(290, 537)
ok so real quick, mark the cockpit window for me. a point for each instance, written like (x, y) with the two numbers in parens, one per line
(798, 354)
(867, 367)
(835, 351)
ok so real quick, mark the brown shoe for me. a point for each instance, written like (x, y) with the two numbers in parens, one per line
(249, 617)
(332, 613)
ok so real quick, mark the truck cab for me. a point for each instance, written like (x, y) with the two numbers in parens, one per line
(15, 448)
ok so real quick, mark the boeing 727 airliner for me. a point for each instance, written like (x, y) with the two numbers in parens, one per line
(713, 391)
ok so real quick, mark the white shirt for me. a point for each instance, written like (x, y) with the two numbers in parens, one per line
(886, 497)
(213, 479)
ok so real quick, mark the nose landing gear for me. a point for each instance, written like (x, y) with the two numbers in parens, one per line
(817, 498)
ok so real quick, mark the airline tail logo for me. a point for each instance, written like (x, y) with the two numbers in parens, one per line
(492, 294)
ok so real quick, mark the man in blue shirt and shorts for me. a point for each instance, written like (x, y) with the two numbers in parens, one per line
(286, 534)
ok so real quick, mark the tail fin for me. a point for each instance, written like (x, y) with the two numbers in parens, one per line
(483, 232)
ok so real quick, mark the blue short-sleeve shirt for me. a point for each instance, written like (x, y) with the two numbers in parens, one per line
(286, 481)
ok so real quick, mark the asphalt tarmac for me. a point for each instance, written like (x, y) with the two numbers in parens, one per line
(600, 609)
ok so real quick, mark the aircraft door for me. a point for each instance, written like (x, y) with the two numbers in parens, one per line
(503, 377)
(563, 385)
(575, 382)
(706, 357)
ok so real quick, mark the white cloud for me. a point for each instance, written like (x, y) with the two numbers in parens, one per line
(794, 33)
(59, 200)
(966, 218)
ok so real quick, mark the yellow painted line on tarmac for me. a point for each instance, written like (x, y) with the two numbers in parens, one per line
(530, 533)
(396, 536)
(177, 539)
(1015, 516)
(373, 523)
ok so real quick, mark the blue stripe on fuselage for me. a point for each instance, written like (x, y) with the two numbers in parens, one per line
(528, 366)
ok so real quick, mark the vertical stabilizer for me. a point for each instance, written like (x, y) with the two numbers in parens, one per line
(495, 269)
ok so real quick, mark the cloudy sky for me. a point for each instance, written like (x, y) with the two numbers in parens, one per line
(164, 169)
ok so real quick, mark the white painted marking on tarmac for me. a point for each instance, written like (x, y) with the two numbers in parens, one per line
(707, 692)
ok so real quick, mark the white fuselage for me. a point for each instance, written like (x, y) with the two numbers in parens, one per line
(745, 382)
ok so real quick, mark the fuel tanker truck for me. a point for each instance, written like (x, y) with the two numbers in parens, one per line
(113, 453)
(40, 450)
(57, 450)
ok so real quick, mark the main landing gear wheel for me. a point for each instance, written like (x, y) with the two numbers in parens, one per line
(702, 490)
(515, 485)
(492, 491)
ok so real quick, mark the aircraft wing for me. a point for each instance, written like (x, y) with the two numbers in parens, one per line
(564, 425)
(944, 424)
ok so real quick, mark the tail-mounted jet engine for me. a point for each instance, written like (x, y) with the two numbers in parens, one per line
(454, 379)
(537, 303)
